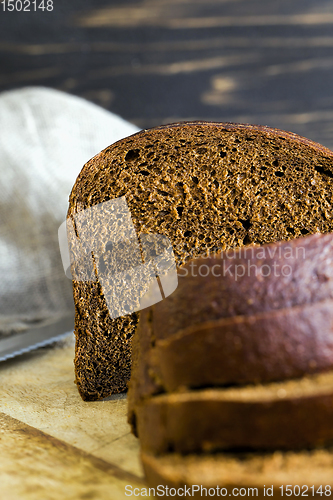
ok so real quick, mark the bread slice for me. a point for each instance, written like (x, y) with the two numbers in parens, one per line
(248, 281)
(293, 414)
(270, 346)
(308, 473)
(207, 187)
(218, 330)
(274, 345)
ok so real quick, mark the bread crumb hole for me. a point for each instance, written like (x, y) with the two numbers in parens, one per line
(322, 170)
(132, 154)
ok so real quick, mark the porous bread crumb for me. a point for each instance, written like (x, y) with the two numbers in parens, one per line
(207, 187)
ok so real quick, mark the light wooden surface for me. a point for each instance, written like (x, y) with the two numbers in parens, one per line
(52, 444)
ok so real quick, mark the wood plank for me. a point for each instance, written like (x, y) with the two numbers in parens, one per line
(38, 389)
(35, 466)
(158, 62)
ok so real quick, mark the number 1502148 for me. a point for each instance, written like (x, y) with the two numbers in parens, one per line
(26, 5)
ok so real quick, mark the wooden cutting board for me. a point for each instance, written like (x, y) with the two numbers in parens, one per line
(52, 444)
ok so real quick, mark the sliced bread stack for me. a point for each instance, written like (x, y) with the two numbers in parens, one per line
(207, 187)
(239, 365)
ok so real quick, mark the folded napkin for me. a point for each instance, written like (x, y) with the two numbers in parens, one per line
(46, 137)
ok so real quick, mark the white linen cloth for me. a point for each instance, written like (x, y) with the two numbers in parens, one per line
(45, 138)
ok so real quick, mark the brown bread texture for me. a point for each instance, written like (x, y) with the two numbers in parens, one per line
(274, 345)
(248, 281)
(271, 346)
(244, 470)
(207, 187)
(285, 328)
(293, 414)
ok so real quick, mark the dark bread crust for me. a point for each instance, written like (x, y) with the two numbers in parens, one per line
(294, 273)
(271, 346)
(206, 186)
(213, 419)
(275, 345)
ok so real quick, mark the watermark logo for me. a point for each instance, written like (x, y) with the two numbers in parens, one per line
(279, 260)
(100, 244)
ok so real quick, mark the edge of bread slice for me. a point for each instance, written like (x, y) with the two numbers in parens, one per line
(248, 281)
(274, 345)
(305, 469)
(293, 414)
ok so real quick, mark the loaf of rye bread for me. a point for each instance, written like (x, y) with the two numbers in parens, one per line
(207, 187)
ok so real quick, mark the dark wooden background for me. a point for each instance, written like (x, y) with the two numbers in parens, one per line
(158, 61)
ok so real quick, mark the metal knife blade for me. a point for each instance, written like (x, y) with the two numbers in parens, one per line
(35, 337)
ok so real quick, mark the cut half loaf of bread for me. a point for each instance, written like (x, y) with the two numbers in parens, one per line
(294, 414)
(207, 187)
(308, 473)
